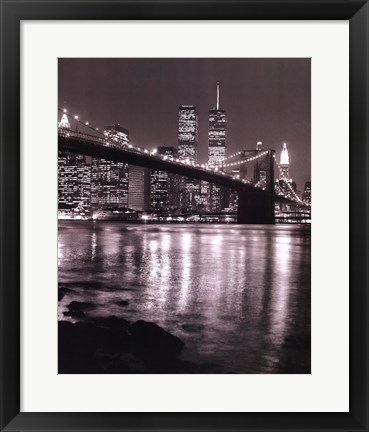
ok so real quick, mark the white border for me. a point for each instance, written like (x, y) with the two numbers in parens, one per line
(326, 389)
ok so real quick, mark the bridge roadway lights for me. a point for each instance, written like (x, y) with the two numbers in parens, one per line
(255, 208)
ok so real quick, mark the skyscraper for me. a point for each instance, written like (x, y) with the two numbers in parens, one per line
(74, 180)
(187, 132)
(139, 188)
(284, 163)
(74, 175)
(217, 150)
(164, 186)
(109, 179)
(64, 122)
(189, 189)
(217, 133)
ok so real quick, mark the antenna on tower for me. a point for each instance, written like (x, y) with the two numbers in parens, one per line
(217, 95)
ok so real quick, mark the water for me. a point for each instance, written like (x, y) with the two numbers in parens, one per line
(238, 296)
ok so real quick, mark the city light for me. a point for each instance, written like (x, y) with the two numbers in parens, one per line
(216, 165)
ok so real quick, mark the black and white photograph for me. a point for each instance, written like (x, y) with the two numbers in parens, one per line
(184, 215)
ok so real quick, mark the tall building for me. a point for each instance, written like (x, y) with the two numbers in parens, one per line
(217, 138)
(217, 133)
(139, 188)
(64, 122)
(187, 132)
(189, 189)
(74, 180)
(306, 196)
(109, 179)
(74, 175)
(284, 163)
(164, 186)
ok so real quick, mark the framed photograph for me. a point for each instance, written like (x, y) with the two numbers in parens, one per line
(184, 215)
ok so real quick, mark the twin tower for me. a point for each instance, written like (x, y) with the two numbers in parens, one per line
(217, 136)
(188, 132)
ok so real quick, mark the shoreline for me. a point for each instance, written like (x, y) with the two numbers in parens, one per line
(113, 345)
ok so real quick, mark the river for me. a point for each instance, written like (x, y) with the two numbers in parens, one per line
(237, 295)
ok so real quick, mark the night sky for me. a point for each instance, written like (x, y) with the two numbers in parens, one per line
(266, 100)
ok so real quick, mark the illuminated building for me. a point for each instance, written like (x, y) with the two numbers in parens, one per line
(217, 140)
(164, 186)
(109, 179)
(284, 163)
(64, 122)
(74, 179)
(116, 134)
(138, 188)
(217, 133)
(74, 176)
(187, 132)
(306, 196)
(189, 189)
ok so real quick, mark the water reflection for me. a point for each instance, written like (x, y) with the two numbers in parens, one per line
(236, 295)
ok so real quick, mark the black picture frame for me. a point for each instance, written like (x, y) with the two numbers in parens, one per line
(12, 12)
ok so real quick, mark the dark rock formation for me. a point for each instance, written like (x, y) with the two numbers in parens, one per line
(153, 341)
(112, 345)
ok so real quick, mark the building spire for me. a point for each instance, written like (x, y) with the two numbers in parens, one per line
(284, 155)
(217, 96)
(64, 122)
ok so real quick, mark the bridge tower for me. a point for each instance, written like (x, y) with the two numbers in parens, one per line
(255, 207)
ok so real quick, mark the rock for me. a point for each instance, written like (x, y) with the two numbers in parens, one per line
(154, 342)
(113, 322)
(123, 303)
(75, 352)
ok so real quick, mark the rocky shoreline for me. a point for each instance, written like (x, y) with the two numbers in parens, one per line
(113, 345)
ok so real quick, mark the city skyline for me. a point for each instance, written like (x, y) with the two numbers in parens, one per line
(267, 100)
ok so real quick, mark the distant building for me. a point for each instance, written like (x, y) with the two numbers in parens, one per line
(284, 163)
(109, 179)
(116, 134)
(217, 142)
(306, 196)
(74, 177)
(217, 133)
(139, 188)
(189, 189)
(64, 122)
(164, 186)
(187, 132)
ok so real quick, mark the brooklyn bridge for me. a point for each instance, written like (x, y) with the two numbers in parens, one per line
(256, 205)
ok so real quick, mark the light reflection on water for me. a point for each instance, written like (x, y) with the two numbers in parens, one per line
(238, 296)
